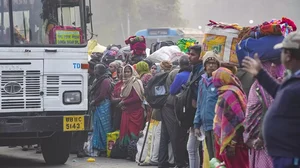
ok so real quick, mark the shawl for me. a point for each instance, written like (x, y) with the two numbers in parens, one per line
(132, 83)
(142, 68)
(230, 107)
(254, 112)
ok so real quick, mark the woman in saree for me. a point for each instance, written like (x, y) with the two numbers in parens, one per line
(228, 122)
(132, 95)
(101, 90)
(116, 99)
(258, 102)
(143, 70)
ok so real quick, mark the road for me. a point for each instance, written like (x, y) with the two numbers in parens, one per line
(16, 158)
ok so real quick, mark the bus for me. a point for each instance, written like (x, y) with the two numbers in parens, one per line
(43, 74)
(153, 35)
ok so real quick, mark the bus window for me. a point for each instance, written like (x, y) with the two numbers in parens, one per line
(4, 23)
(48, 22)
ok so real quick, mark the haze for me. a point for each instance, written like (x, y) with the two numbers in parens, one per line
(198, 12)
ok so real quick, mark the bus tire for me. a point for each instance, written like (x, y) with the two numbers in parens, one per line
(56, 149)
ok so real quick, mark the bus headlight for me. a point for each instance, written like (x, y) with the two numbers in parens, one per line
(72, 97)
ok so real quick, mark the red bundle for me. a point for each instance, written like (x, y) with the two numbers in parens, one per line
(137, 45)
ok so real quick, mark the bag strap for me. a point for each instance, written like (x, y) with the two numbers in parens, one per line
(193, 81)
(264, 109)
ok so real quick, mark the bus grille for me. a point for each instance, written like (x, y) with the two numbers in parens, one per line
(20, 89)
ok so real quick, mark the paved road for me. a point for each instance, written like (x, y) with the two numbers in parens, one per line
(16, 158)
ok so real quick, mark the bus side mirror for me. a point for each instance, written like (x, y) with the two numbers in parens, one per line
(88, 14)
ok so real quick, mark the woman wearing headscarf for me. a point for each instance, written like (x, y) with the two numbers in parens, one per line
(101, 90)
(258, 102)
(143, 70)
(116, 99)
(228, 122)
(155, 69)
(132, 95)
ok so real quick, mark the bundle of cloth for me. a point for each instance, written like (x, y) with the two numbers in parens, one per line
(110, 55)
(274, 27)
(185, 43)
(137, 44)
(262, 38)
(224, 25)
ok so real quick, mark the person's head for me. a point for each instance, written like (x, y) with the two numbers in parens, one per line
(127, 72)
(194, 53)
(119, 73)
(149, 62)
(142, 68)
(290, 54)
(99, 70)
(184, 62)
(223, 76)
(211, 62)
(113, 67)
(166, 66)
(155, 69)
(232, 68)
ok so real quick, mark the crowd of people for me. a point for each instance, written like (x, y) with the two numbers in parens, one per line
(223, 116)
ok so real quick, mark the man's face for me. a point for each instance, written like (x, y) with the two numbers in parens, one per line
(211, 66)
(286, 58)
(194, 57)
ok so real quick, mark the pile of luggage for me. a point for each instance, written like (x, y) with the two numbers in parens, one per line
(233, 42)
(262, 38)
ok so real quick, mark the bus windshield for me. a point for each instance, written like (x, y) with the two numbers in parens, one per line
(42, 22)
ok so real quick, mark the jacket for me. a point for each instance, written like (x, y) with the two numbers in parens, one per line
(281, 126)
(206, 103)
(180, 79)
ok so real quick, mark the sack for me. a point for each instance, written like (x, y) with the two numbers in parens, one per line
(223, 41)
(164, 54)
(118, 151)
(156, 91)
(183, 107)
(262, 46)
(111, 140)
(156, 46)
(66, 35)
(140, 143)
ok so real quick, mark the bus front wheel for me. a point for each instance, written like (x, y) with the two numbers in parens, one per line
(56, 148)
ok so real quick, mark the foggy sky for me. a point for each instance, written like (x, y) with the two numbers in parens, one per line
(198, 12)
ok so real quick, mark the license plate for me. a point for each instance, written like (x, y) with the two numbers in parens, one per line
(73, 123)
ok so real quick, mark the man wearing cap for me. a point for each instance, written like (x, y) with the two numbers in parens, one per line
(281, 127)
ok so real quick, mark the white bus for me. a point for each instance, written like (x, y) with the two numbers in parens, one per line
(43, 74)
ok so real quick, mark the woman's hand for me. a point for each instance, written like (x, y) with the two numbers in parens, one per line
(258, 144)
(197, 132)
(251, 65)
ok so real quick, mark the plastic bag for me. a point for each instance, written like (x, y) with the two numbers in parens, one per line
(88, 147)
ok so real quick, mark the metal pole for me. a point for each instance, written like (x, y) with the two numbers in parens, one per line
(128, 24)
